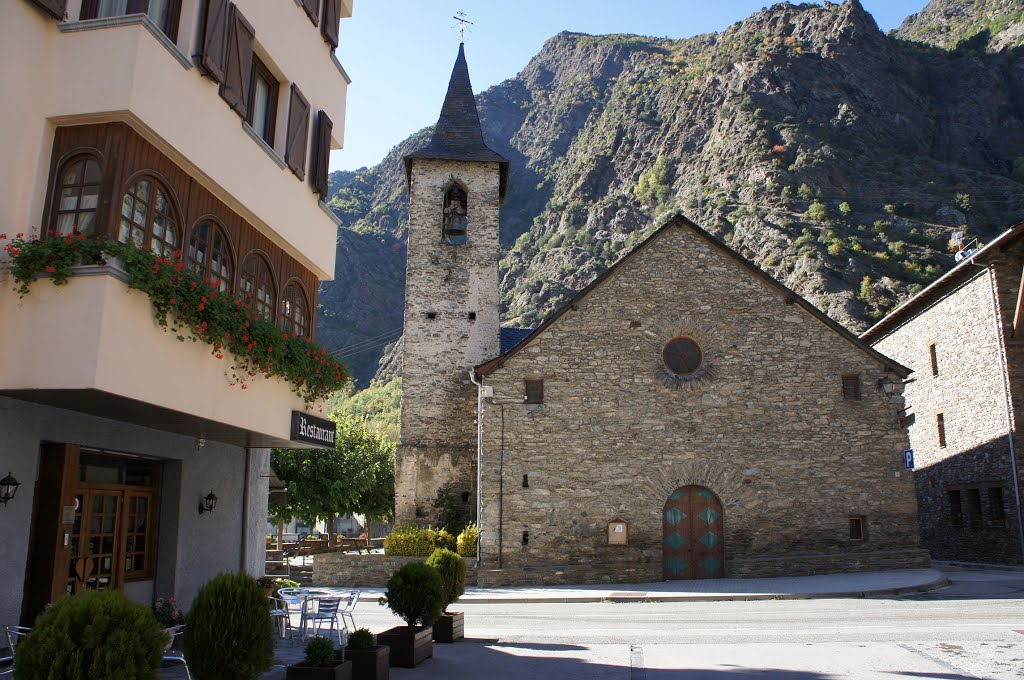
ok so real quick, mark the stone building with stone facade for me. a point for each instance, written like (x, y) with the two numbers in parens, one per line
(684, 416)
(963, 336)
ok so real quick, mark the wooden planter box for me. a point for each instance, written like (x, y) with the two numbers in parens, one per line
(300, 671)
(370, 664)
(409, 646)
(449, 627)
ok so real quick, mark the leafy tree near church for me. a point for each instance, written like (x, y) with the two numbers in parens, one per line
(356, 476)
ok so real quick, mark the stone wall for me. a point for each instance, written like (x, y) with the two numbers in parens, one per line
(968, 390)
(451, 325)
(366, 571)
(764, 425)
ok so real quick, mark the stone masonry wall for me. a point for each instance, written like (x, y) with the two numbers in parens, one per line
(968, 391)
(366, 571)
(765, 428)
(445, 284)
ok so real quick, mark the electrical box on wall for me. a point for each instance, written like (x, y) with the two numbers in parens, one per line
(618, 532)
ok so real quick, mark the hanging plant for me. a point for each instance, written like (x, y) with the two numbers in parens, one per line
(191, 307)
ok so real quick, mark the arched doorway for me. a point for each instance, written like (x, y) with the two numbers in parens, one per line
(693, 540)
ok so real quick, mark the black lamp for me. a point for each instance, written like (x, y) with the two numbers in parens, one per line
(208, 503)
(8, 488)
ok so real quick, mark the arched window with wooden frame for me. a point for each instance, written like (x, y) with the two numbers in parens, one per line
(209, 254)
(294, 316)
(148, 218)
(77, 195)
(455, 215)
(256, 284)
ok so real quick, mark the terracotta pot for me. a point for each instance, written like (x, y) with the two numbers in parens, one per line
(370, 664)
(409, 646)
(449, 627)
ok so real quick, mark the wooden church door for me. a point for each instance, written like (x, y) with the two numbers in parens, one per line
(692, 535)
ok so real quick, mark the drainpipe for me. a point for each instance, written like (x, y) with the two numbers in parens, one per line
(244, 546)
(479, 456)
(1007, 399)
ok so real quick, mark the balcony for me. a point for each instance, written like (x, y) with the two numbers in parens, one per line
(94, 347)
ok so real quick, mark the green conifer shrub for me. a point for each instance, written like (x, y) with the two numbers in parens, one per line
(361, 638)
(228, 630)
(452, 569)
(415, 594)
(92, 636)
(319, 652)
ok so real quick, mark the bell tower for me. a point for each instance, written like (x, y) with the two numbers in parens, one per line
(456, 186)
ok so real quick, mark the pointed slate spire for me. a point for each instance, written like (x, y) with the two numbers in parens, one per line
(457, 135)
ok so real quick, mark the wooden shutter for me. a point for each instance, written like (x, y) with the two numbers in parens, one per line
(312, 8)
(321, 154)
(298, 132)
(238, 62)
(215, 27)
(332, 17)
(54, 8)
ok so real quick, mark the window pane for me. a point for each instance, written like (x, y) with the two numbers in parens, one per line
(158, 13)
(111, 8)
(85, 221)
(261, 99)
(92, 172)
(65, 223)
(90, 197)
(69, 199)
(73, 174)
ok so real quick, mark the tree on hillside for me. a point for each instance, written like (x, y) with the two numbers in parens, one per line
(356, 476)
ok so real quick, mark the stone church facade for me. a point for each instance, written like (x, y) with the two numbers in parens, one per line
(964, 338)
(685, 416)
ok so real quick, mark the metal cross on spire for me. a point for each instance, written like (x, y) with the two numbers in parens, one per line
(460, 16)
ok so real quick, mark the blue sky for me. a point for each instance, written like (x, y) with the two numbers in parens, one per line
(399, 53)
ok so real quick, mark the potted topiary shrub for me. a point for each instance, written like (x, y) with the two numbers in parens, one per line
(228, 631)
(92, 635)
(449, 627)
(415, 594)
(322, 662)
(370, 661)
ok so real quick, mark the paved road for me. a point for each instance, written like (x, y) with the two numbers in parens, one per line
(972, 629)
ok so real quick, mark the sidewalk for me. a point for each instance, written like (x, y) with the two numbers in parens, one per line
(861, 584)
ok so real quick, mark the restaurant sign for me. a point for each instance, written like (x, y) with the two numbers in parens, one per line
(312, 430)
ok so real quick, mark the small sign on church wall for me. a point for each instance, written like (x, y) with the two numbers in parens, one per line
(618, 532)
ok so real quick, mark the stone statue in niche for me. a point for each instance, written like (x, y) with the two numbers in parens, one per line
(456, 220)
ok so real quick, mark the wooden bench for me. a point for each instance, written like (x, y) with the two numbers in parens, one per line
(359, 544)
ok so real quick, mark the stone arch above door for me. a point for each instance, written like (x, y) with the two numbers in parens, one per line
(693, 536)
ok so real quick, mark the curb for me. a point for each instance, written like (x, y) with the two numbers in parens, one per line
(938, 583)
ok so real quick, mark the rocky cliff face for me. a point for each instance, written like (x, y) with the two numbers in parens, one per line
(992, 25)
(837, 158)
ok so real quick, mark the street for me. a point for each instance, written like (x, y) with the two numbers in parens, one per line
(972, 629)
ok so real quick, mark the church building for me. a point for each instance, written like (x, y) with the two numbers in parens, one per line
(684, 416)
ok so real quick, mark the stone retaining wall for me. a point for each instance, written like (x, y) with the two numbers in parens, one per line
(365, 571)
(650, 572)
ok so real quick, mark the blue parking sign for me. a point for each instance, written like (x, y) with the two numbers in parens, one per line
(908, 459)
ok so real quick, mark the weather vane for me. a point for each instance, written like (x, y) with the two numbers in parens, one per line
(460, 16)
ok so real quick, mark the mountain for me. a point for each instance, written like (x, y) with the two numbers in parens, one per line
(839, 159)
(989, 24)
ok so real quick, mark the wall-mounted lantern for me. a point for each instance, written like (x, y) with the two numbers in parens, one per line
(887, 386)
(8, 488)
(208, 503)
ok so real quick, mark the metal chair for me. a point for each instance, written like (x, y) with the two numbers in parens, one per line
(172, 652)
(317, 610)
(280, 614)
(292, 598)
(14, 634)
(348, 603)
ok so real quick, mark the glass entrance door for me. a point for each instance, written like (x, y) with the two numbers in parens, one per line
(95, 541)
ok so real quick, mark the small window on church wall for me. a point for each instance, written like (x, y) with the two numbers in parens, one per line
(534, 392)
(851, 387)
(456, 221)
(857, 528)
(682, 356)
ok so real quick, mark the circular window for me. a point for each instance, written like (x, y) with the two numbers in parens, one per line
(682, 356)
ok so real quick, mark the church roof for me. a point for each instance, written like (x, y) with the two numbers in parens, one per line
(510, 337)
(457, 134)
(681, 221)
(938, 289)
